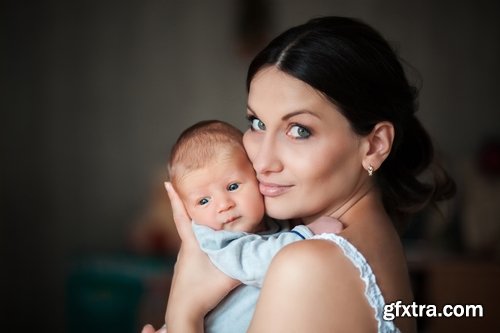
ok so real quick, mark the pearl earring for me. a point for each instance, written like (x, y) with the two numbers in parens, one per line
(370, 170)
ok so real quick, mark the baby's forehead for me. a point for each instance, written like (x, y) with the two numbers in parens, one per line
(236, 154)
(232, 163)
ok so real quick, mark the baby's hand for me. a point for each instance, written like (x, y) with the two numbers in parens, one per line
(326, 224)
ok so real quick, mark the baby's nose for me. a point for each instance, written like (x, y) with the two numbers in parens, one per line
(225, 205)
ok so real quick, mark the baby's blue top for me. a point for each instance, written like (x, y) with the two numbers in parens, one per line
(244, 257)
(372, 290)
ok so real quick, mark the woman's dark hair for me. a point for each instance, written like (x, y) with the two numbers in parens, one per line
(356, 68)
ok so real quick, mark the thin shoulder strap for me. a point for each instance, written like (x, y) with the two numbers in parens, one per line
(372, 291)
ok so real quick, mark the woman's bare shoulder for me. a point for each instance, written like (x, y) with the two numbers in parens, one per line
(312, 287)
(322, 256)
(316, 260)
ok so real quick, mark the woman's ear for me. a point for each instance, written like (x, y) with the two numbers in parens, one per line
(378, 145)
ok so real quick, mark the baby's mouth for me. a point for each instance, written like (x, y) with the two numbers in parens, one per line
(232, 219)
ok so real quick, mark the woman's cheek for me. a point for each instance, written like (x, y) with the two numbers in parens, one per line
(301, 159)
(249, 144)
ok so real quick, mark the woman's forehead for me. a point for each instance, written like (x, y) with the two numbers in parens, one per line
(276, 94)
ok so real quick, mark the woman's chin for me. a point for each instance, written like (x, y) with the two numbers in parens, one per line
(278, 211)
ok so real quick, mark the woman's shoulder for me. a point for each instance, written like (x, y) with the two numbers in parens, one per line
(326, 290)
(319, 254)
(318, 259)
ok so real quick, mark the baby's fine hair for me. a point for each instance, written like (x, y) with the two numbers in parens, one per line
(200, 144)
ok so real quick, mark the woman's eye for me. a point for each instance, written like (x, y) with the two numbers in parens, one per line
(299, 132)
(203, 202)
(233, 187)
(256, 124)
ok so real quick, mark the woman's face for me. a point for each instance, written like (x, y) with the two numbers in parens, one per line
(305, 154)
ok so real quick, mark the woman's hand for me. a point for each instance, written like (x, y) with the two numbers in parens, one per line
(150, 329)
(197, 286)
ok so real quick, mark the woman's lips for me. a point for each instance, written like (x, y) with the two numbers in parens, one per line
(273, 190)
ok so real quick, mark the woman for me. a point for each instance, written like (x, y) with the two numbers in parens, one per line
(332, 132)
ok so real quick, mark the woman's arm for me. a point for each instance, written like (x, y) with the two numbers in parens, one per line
(312, 287)
(197, 286)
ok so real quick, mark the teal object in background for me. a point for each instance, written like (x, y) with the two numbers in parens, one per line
(108, 294)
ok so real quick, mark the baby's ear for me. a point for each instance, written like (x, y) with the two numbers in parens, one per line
(378, 145)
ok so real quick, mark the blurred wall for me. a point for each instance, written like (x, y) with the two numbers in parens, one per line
(95, 92)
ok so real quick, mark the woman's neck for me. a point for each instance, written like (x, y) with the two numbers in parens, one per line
(370, 204)
(355, 208)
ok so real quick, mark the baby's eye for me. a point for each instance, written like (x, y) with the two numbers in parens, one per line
(203, 201)
(233, 187)
(299, 132)
(256, 124)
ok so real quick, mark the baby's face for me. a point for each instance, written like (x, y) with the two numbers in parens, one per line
(224, 195)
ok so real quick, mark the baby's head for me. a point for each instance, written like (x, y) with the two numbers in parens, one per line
(210, 171)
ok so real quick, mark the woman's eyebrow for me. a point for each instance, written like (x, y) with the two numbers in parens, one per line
(298, 112)
(250, 109)
(289, 115)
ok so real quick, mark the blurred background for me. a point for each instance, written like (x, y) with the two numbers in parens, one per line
(94, 93)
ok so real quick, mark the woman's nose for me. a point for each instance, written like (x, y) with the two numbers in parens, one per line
(266, 157)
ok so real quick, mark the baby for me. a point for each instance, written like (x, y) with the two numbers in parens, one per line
(214, 178)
